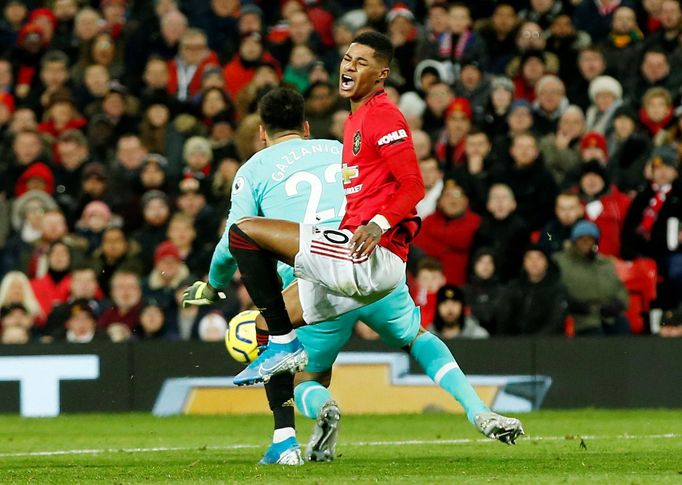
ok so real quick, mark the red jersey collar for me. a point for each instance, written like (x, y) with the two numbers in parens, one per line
(374, 96)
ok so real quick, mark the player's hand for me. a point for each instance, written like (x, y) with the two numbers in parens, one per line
(365, 240)
(201, 294)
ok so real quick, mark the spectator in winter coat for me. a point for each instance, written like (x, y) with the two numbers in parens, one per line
(503, 230)
(484, 289)
(623, 44)
(556, 235)
(606, 95)
(651, 226)
(605, 205)
(474, 175)
(448, 233)
(126, 298)
(498, 34)
(494, 119)
(549, 105)
(474, 85)
(156, 212)
(535, 302)
(533, 186)
(631, 149)
(654, 72)
(596, 296)
(116, 252)
(560, 149)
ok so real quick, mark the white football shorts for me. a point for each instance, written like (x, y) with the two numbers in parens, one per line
(331, 283)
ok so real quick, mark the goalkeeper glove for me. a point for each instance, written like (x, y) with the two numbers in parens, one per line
(201, 294)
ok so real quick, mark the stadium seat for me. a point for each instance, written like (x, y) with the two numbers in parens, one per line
(639, 277)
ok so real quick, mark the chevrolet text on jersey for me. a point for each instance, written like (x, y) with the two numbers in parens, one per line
(391, 137)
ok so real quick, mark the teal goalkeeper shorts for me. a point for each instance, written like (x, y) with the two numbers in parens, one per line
(395, 318)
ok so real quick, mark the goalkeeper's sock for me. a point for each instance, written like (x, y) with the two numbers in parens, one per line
(440, 365)
(310, 397)
(259, 274)
(262, 336)
(280, 397)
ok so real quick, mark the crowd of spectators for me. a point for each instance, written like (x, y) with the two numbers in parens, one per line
(549, 134)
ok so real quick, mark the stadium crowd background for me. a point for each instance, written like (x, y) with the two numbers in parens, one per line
(544, 129)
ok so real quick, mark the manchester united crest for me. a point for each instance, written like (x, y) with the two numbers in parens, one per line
(357, 143)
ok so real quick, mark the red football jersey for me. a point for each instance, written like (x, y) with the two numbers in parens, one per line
(381, 173)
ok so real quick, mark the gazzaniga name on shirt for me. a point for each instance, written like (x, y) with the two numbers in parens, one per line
(392, 136)
(295, 155)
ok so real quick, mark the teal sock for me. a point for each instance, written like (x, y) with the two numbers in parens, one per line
(440, 365)
(310, 396)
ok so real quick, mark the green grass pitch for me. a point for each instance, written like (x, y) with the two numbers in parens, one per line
(619, 447)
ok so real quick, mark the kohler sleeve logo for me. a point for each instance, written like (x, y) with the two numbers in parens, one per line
(392, 136)
(39, 378)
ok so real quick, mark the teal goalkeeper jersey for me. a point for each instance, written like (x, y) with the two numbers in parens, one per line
(296, 180)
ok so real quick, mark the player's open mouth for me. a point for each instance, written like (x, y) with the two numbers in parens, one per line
(347, 82)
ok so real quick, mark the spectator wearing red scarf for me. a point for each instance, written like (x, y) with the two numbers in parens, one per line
(450, 145)
(187, 69)
(652, 229)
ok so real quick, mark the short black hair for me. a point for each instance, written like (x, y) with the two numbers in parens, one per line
(383, 48)
(477, 130)
(282, 109)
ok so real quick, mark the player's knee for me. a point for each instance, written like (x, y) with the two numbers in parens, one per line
(244, 222)
(324, 377)
(420, 332)
(239, 238)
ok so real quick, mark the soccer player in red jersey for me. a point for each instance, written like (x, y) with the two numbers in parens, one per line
(381, 174)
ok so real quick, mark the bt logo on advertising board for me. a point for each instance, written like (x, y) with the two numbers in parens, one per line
(39, 378)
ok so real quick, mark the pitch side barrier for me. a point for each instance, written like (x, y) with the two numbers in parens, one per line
(510, 374)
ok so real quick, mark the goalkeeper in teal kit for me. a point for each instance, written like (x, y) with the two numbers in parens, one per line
(300, 179)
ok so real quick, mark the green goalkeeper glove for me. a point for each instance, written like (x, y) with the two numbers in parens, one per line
(201, 294)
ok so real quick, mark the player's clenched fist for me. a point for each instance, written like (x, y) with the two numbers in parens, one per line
(365, 240)
(201, 294)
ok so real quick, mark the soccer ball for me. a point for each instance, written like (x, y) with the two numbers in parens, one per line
(240, 337)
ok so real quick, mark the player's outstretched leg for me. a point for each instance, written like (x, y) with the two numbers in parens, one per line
(315, 402)
(440, 365)
(284, 449)
(259, 274)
